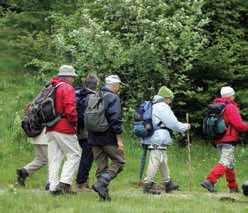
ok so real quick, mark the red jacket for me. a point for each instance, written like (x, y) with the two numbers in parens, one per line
(65, 103)
(233, 119)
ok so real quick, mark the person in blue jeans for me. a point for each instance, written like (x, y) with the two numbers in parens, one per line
(82, 184)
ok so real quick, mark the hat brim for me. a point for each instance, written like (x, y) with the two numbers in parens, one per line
(122, 83)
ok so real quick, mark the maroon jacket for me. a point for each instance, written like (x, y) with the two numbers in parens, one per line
(65, 103)
(233, 120)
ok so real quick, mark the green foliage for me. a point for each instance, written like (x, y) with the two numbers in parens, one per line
(193, 47)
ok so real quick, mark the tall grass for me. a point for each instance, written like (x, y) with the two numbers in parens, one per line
(15, 151)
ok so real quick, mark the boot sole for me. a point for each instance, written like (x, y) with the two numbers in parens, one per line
(206, 187)
(153, 193)
(168, 191)
(102, 194)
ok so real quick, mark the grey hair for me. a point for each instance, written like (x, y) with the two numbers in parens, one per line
(91, 81)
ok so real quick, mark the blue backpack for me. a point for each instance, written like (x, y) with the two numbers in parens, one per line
(142, 126)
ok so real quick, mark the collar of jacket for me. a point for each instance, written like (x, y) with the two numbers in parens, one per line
(106, 89)
(224, 100)
(157, 99)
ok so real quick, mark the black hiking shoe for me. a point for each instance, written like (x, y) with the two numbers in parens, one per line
(234, 190)
(169, 186)
(208, 185)
(47, 186)
(149, 188)
(22, 174)
(64, 188)
(102, 191)
(245, 188)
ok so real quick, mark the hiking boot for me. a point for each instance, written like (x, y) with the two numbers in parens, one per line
(245, 188)
(83, 187)
(47, 186)
(169, 186)
(64, 188)
(101, 187)
(22, 174)
(208, 185)
(234, 190)
(54, 193)
(149, 188)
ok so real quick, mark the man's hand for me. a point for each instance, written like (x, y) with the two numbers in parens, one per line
(120, 147)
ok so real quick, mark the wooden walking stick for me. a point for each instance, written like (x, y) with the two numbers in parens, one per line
(189, 155)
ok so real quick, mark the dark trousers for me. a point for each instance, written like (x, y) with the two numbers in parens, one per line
(101, 156)
(85, 162)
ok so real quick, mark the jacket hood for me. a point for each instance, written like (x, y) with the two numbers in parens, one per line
(224, 99)
(106, 89)
(57, 80)
(157, 98)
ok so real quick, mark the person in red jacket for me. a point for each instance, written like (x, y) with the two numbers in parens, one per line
(62, 139)
(226, 144)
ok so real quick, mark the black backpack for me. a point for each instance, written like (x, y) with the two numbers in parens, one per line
(41, 112)
(214, 125)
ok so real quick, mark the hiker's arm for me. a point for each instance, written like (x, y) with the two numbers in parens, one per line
(69, 105)
(120, 145)
(113, 110)
(235, 118)
(170, 120)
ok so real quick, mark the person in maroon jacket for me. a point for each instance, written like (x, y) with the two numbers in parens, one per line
(62, 139)
(226, 144)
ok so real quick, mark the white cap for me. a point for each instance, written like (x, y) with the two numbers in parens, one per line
(113, 79)
(227, 92)
(67, 70)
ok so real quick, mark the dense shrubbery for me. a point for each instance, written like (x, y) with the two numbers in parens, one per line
(193, 47)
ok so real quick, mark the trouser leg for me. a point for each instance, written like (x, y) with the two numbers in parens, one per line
(40, 159)
(70, 147)
(153, 165)
(85, 162)
(55, 157)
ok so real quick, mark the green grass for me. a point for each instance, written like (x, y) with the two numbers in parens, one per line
(15, 151)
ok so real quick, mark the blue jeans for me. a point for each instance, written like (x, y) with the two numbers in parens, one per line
(85, 162)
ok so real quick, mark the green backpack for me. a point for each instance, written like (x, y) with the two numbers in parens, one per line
(94, 115)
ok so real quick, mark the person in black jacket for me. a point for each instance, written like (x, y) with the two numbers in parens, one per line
(89, 87)
(108, 145)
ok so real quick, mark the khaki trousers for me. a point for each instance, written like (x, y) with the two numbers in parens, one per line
(102, 154)
(157, 160)
(40, 159)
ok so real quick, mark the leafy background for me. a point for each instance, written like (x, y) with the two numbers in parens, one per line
(193, 46)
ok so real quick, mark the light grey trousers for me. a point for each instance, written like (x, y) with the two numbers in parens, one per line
(40, 159)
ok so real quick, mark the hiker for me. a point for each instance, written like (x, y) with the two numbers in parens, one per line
(62, 139)
(108, 144)
(245, 188)
(40, 145)
(226, 144)
(90, 85)
(164, 118)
